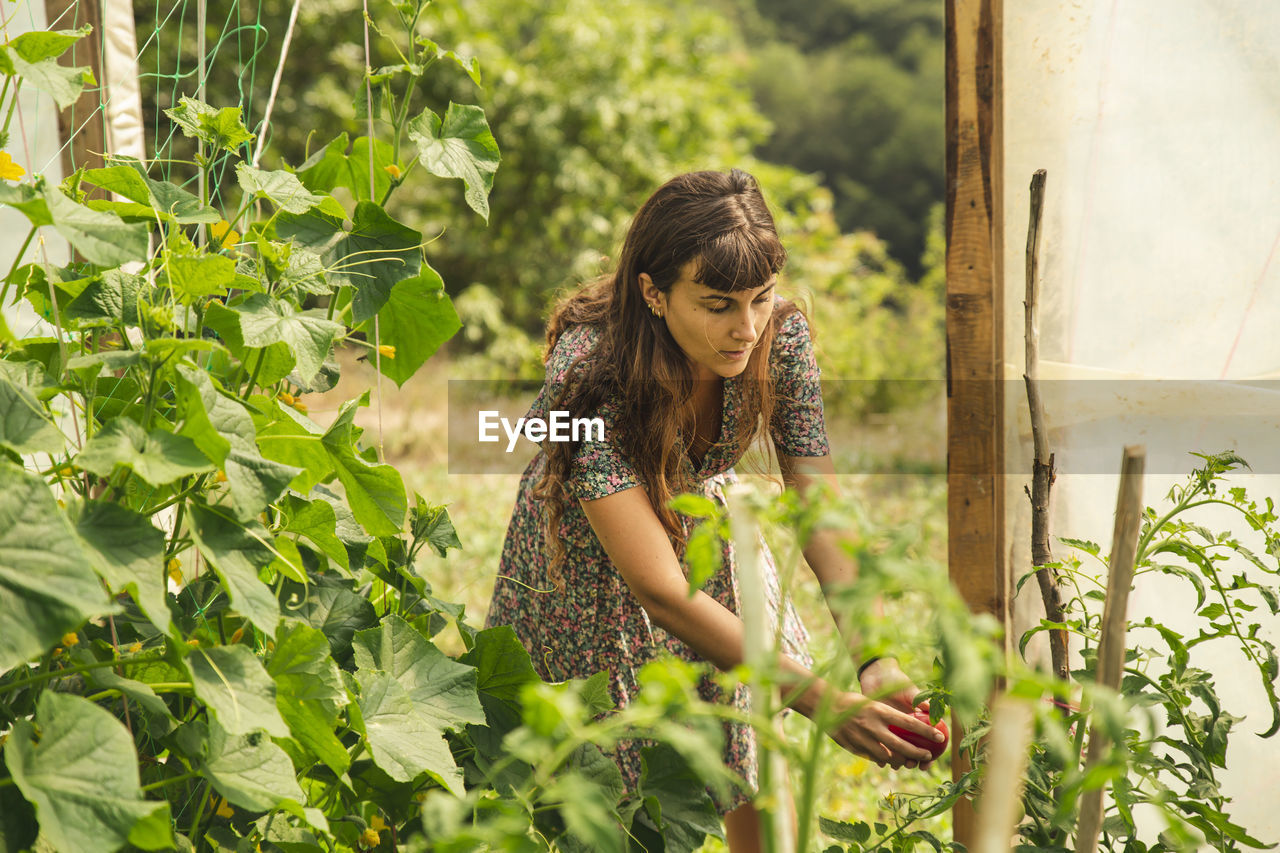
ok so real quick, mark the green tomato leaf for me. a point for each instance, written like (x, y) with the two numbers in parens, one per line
(81, 773)
(127, 550)
(25, 426)
(103, 238)
(222, 128)
(309, 692)
(417, 318)
(265, 321)
(46, 585)
(375, 492)
(237, 551)
(159, 457)
(461, 146)
(238, 691)
(282, 188)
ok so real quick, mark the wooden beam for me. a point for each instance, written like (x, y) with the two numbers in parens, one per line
(84, 122)
(975, 399)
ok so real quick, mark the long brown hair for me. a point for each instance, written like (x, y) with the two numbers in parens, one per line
(719, 221)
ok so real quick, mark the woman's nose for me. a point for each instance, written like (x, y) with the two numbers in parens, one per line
(745, 329)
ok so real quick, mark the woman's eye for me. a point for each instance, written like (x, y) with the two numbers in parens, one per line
(719, 309)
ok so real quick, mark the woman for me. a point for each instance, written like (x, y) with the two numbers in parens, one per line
(684, 353)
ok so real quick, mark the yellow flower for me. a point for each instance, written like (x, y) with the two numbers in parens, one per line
(10, 170)
(224, 809)
(300, 406)
(70, 639)
(387, 351)
(220, 477)
(393, 170)
(134, 648)
(238, 635)
(377, 824)
(174, 568)
(222, 232)
(193, 642)
(370, 838)
(287, 398)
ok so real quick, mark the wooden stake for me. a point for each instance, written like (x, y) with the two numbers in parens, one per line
(1042, 472)
(1008, 742)
(1111, 646)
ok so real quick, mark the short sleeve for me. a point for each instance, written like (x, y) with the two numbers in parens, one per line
(798, 427)
(598, 468)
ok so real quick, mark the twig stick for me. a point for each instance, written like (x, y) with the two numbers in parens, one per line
(1111, 645)
(1002, 790)
(1042, 473)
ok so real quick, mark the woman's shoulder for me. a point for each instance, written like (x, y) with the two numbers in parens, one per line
(791, 333)
(575, 344)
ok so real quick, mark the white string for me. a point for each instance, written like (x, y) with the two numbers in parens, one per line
(275, 82)
(201, 16)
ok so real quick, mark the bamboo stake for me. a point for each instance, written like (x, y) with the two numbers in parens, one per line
(1009, 740)
(1042, 471)
(1111, 645)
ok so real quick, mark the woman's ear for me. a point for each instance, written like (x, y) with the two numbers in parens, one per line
(653, 297)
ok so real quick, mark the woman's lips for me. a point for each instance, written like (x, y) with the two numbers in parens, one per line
(736, 355)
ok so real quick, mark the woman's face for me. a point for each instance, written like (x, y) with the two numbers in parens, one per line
(717, 331)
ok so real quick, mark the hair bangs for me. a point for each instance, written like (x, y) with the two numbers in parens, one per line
(743, 258)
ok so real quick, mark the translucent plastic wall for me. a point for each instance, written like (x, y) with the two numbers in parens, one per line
(1159, 126)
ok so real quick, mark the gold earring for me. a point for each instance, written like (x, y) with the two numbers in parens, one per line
(654, 309)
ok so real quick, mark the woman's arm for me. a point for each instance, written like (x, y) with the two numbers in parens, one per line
(637, 544)
(834, 569)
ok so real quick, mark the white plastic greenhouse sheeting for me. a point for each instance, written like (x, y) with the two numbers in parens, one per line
(1159, 125)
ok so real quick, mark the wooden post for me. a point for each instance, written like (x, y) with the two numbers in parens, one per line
(1111, 645)
(1009, 744)
(84, 122)
(975, 399)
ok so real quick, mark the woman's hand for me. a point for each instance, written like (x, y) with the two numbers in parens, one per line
(886, 681)
(865, 731)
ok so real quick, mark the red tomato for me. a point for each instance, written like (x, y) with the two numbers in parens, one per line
(934, 747)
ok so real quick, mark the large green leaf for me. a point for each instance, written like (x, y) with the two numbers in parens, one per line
(442, 689)
(376, 254)
(27, 199)
(159, 457)
(417, 318)
(461, 146)
(81, 772)
(63, 82)
(25, 426)
(265, 321)
(222, 128)
(503, 666)
(127, 550)
(287, 436)
(332, 167)
(46, 585)
(255, 774)
(194, 277)
(282, 188)
(336, 612)
(103, 678)
(169, 200)
(271, 363)
(677, 799)
(39, 45)
(103, 238)
(403, 742)
(375, 492)
(309, 692)
(237, 551)
(317, 521)
(238, 691)
(108, 300)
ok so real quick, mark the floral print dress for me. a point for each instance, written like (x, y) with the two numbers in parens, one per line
(596, 623)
